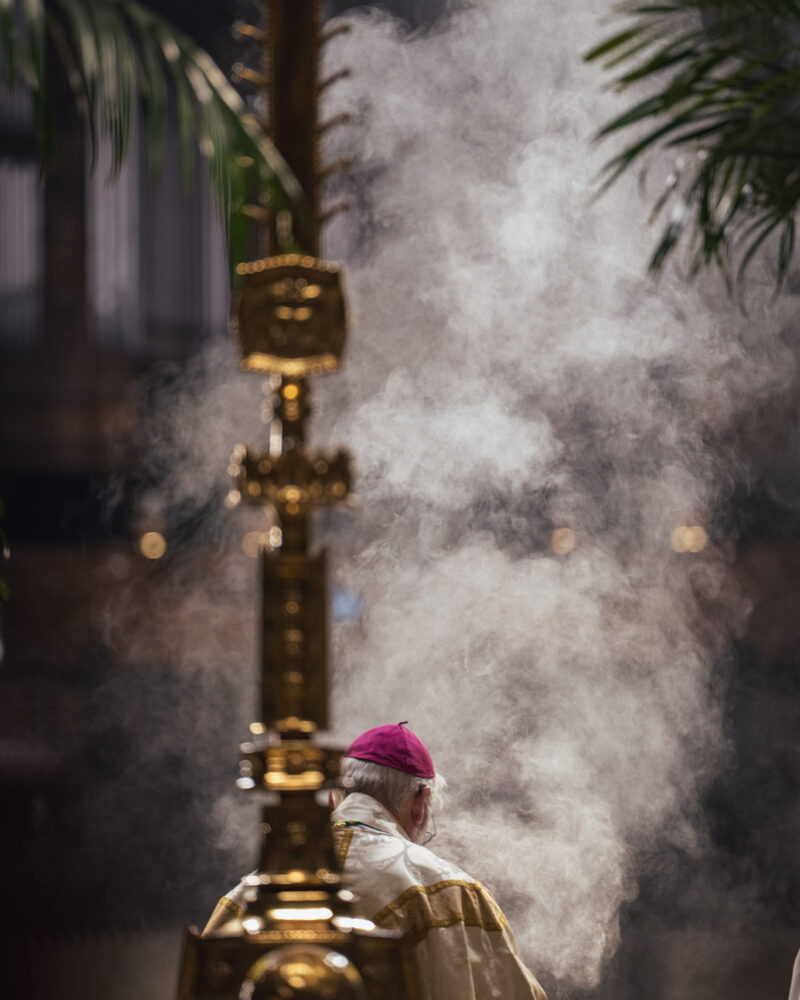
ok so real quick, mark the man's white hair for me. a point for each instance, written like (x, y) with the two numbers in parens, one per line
(392, 788)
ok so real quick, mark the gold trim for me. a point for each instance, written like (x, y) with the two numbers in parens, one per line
(232, 907)
(260, 361)
(343, 836)
(289, 934)
(223, 911)
(421, 908)
(425, 890)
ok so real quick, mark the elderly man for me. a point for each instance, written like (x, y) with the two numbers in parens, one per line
(461, 941)
(462, 944)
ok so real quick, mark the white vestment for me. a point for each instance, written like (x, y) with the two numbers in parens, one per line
(462, 944)
(794, 989)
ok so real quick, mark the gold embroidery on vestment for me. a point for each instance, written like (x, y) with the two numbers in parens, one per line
(232, 907)
(224, 910)
(422, 907)
(342, 837)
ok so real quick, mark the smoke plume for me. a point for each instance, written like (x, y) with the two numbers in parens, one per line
(511, 372)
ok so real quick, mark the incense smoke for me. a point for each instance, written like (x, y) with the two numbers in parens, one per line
(511, 371)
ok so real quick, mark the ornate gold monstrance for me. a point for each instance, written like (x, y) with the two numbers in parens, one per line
(296, 936)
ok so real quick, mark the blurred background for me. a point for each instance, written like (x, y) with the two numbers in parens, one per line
(118, 749)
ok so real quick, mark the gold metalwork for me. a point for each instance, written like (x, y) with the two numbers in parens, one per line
(336, 209)
(291, 931)
(292, 765)
(342, 118)
(290, 59)
(340, 74)
(291, 316)
(244, 73)
(241, 30)
(335, 167)
(294, 638)
(304, 971)
(218, 966)
(294, 483)
(338, 29)
(288, 77)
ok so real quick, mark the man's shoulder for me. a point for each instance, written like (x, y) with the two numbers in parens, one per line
(427, 868)
(410, 888)
(446, 902)
(361, 847)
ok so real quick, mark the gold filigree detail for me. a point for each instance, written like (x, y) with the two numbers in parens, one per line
(223, 912)
(343, 837)
(421, 908)
(291, 319)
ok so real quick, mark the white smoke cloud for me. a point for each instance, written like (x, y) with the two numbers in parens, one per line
(511, 366)
(511, 370)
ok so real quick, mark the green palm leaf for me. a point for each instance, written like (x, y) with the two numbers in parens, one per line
(723, 85)
(118, 52)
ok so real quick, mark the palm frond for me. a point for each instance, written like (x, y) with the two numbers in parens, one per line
(724, 93)
(34, 21)
(7, 41)
(116, 53)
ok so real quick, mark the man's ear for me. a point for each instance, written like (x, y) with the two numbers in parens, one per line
(418, 805)
(330, 801)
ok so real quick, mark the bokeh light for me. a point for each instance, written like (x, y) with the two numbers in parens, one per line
(688, 538)
(152, 545)
(253, 542)
(563, 541)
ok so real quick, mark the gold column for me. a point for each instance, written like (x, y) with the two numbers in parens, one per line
(296, 935)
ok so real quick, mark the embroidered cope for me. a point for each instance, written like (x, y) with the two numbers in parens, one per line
(462, 945)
